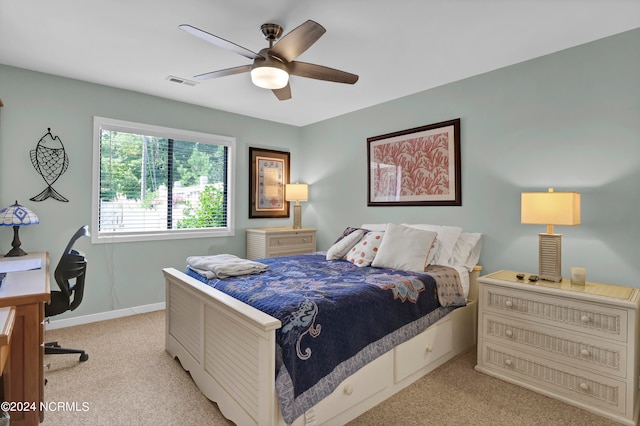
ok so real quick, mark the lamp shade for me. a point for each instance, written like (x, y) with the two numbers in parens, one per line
(550, 208)
(297, 192)
(17, 215)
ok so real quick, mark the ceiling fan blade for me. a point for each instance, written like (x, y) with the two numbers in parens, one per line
(220, 42)
(284, 93)
(319, 72)
(298, 40)
(223, 73)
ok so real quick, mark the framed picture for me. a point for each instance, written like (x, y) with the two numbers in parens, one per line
(415, 167)
(268, 175)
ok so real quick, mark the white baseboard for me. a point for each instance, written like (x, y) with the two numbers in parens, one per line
(86, 319)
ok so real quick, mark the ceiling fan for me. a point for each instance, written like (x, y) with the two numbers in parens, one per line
(273, 65)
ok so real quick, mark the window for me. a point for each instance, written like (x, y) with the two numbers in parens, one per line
(157, 183)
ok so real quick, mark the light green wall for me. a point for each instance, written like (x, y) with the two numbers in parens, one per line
(569, 120)
(127, 274)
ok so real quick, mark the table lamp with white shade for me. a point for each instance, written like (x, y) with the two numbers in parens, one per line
(297, 192)
(550, 208)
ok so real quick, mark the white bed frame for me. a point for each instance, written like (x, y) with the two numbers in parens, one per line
(229, 349)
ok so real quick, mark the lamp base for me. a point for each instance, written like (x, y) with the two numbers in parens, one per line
(550, 257)
(297, 216)
(16, 251)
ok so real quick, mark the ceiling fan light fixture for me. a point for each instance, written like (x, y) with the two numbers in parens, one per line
(273, 65)
(269, 74)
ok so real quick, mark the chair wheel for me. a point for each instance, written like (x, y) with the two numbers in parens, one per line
(84, 357)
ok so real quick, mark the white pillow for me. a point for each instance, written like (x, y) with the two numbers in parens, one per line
(343, 245)
(466, 252)
(363, 253)
(404, 248)
(447, 238)
(433, 252)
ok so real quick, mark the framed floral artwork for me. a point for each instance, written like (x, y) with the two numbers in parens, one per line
(415, 167)
(268, 175)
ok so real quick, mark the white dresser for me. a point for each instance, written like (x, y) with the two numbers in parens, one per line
(574, 343)
(275, 242)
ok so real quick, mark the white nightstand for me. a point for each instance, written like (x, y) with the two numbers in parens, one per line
(574, 343)
(274, 242)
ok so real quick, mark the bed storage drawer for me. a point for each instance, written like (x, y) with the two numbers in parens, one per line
(419, 352)
(369, 380)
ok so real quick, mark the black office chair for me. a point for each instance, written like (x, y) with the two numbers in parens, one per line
(72, 266)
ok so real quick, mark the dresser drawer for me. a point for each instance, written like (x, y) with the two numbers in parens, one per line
(420, 351)
(598, 320)
(576, 384)
(574, 349)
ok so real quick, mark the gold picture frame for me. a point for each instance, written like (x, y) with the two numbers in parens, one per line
(268, 175)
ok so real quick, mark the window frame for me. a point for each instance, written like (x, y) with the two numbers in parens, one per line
(98, 237)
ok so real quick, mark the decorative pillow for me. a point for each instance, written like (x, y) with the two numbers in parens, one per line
(466, 252)
(363, 253)
(404, 248)
(447, 238)
(347, 240)
(374, 226)
(347, 231)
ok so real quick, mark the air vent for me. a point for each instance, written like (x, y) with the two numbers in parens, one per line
(179, 80)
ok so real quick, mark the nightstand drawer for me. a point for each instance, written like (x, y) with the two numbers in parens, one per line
(580, 351)
(274, 242)
(579, 385)
(291, 241)
(597, 320)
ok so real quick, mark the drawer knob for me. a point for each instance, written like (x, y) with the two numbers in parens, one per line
(428, 348)
(585, 319)
(279, 241)
(348, 389)
(509, 333)
(508, 362)
(305, 240)
(585, 352)
(584, 386)
(508, 304)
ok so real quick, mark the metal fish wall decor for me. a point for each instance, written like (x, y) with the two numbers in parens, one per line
(51, 161)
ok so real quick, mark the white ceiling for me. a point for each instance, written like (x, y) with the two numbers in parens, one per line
(397, 48)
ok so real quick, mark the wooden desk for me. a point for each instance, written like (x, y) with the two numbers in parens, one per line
(28, 291)
(7, 320)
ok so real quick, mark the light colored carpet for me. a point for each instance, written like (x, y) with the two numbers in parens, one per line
(130, 380)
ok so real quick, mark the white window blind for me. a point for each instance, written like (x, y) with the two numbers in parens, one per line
(153, 182)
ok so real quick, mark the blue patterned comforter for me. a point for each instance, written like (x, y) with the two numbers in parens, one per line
(336, 318)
